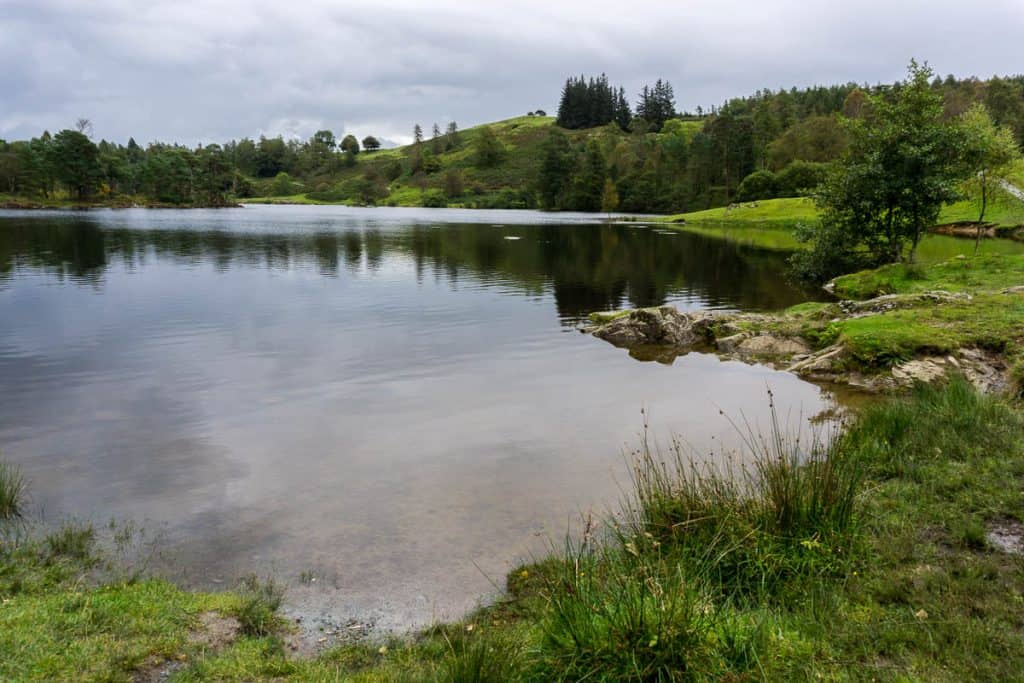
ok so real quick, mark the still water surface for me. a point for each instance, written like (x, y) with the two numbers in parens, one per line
(395, 400)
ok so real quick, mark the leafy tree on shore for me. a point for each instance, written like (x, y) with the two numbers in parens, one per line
(903, 164)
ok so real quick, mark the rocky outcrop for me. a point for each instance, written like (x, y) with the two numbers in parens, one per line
(661, 334)
(662, 326)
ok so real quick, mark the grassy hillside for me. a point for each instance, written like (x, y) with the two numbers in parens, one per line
(505, 183)
(508, 183)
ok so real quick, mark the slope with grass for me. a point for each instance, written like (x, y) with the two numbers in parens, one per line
(505, 184)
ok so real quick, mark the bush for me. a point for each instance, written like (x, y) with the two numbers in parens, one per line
(434, 199)
(453, 184)
(833, 251)
(800, 178)
(757, 185)
(393, 170)
(283, 186)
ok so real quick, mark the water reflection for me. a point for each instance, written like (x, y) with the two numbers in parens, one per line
(586, 268)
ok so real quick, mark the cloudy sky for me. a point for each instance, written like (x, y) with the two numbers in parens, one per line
(191, 71)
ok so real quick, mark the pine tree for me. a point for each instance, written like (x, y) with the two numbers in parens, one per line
(436, 142)
(417, 134)
(452, 138)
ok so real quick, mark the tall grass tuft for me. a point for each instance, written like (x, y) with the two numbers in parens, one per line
(260, 601)
(13, 492)
(788, 511)
(73, 540)
(479, 660)
(619, 614)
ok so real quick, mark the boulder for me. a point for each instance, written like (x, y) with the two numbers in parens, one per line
(661, 326)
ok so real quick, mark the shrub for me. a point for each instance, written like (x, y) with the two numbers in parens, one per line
(13, 491)
(393, 170)
(434, 199)
(800, 178)
(283, 185)
(453, 184)
(260, 600)
(757, 185)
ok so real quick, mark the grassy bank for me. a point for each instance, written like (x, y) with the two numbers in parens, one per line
(879, 555)
(769, 223)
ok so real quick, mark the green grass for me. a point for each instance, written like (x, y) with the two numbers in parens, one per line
(778, 213)
(768, 224)
(989, 317)
(966, 275)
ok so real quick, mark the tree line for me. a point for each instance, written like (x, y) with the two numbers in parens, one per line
(70, 163)
(603, 154)
(771, 144)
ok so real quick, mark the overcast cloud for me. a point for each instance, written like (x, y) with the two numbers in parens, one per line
(192, 71)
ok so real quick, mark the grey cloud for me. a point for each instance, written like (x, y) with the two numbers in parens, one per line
(208, 71)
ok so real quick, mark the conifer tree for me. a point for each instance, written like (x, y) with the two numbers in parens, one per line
(452, 138)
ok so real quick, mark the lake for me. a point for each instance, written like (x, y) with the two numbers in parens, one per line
(396, 402)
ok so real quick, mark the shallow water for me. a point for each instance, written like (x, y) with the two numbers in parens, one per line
(393, 401)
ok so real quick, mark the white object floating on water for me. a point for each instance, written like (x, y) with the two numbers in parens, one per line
(513, 237)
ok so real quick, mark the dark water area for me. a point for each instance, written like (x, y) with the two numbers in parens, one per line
(394, 401)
